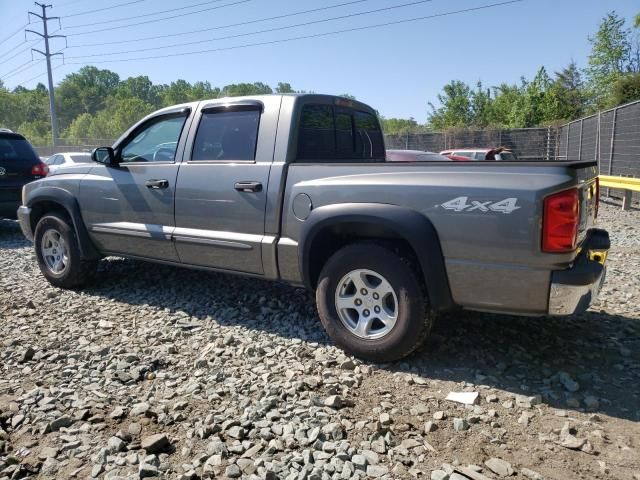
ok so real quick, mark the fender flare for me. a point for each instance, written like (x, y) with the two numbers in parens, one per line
(407, 224)
(67, 201)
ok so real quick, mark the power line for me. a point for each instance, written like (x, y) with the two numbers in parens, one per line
(87, 12)
(277, 17)
(37, 76)
(13, 34)
(303, 37)
(15, 54)
(18, 70)
(269, 30)
(154, 13)
(111, 28)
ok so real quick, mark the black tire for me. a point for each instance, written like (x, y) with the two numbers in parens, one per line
(413, 321)
(76, 272)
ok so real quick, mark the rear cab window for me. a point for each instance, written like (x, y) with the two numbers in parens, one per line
(333, 133)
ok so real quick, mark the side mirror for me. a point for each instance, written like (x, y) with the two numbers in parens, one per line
(104, 155)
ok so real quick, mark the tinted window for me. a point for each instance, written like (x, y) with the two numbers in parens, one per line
(370, 144)
(339, 134)
(81, 158)
(224, 135)
(157, 141)
(317, 133)
(16, 148)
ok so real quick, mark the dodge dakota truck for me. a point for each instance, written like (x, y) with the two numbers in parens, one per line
(295, 188)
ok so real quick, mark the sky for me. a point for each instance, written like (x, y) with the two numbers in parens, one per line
(397, 68)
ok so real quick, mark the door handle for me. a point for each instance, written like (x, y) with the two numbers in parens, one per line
(248, 186)
(157, 183)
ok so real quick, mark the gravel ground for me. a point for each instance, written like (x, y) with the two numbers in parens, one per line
(158, 371)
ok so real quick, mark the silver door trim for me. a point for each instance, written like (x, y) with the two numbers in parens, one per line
(211, 241)
(140, 230)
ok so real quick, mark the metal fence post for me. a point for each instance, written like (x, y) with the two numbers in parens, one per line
(580, 141)
(596, 154)
(612, 144)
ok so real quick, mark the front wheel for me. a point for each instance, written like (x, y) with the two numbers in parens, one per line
(58, 253)
(371, 303)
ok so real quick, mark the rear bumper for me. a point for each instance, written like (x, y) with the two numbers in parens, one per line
(574, 289)
(24, 217)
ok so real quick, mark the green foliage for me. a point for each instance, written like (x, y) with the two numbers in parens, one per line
(399, 126)
(109, 123)
(84, 92)
(455, 110)
(242, 89)
(612, 55)
(625, 89)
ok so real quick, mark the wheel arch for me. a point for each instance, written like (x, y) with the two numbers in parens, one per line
(48, 199)
(330, 227)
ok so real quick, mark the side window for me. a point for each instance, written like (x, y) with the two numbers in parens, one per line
(370, 144)
(480, 155)
(157, 141)
(316, 139)
(227, 135)
(51, 160)
(339, 134)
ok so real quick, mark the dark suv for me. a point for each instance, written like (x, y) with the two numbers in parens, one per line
(19, 164)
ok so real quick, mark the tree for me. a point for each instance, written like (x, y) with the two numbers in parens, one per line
(84, 92)
(174, 93)
(626, 89)
(284, 87)
(399, 126)
(612, 54)
(141, 88)
(242, 89)
(455, 109)
(567, 94)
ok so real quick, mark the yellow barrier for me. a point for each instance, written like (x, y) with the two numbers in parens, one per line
(628, 184)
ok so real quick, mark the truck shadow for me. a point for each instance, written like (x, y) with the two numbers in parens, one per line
(600, 351)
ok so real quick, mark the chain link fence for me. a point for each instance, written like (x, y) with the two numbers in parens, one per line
(529, 144)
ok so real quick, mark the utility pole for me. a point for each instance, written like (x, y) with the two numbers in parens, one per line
(47, 54)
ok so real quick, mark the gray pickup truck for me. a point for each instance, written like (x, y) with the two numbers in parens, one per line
(296, 188)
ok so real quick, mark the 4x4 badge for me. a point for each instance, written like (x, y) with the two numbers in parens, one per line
(3, 171)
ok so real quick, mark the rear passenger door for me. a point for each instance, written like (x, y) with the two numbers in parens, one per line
(222, 183)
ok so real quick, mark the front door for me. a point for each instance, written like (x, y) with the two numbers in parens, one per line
(222, 185)
(128, 209)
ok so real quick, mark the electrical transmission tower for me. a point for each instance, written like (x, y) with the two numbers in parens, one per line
(47, 54)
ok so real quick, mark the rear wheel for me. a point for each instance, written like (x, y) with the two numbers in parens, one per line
(58, 252)
(371, 303)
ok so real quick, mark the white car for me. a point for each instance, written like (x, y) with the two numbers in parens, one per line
(57, 160)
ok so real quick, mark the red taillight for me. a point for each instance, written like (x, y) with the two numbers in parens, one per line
(560, 221)
(40, 170)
